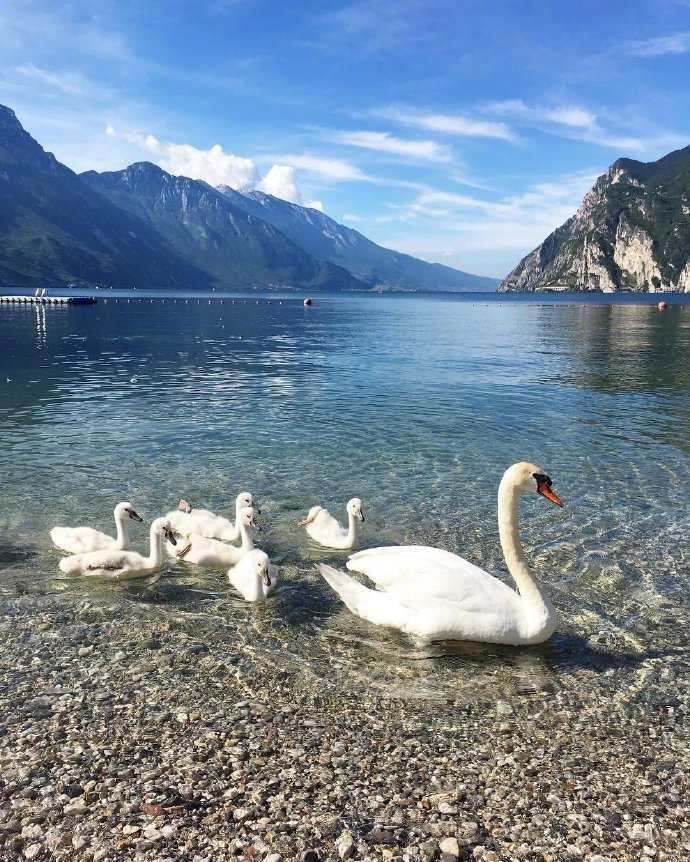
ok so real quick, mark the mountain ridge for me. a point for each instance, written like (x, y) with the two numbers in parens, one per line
(630, 233)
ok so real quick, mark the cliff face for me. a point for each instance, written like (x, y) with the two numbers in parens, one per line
(631, 232)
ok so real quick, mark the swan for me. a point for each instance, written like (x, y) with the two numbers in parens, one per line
(80, 540)
(254, 576)
(325, 530)
(211, 552)
(432, 594)
(117, 564)
(186, 520)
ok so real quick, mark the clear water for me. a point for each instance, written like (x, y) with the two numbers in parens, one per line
(417, 405)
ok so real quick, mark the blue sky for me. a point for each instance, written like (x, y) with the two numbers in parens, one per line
(460, 132)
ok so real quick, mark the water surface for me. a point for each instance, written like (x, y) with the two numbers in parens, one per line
(417, 405)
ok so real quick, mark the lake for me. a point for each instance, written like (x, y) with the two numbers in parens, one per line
(415, 404)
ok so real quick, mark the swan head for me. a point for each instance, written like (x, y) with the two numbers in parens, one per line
(161, 527)
(246, 501)
(124, 511)
(529, 477)
(184, 506)
(248, 518)
(354, 507)
(261, 566)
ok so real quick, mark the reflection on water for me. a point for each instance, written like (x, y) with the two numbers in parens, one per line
(417, 406)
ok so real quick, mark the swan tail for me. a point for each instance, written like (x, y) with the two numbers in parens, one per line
(313, 512)
(382, 609)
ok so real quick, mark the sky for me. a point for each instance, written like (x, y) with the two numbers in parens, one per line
(458, 131)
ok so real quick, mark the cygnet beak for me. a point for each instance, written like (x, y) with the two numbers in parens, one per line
(266, 578)
(133, 515)
(169, 535)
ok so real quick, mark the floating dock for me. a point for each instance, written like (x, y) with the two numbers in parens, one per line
(48, 300)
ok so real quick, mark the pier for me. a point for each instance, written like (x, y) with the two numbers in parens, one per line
(48, 300)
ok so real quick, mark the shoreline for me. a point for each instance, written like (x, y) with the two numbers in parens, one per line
(127, 738)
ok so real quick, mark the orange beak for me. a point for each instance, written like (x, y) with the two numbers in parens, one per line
(545, 491)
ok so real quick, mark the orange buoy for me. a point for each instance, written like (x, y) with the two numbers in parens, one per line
(307, 301)
(662, 305)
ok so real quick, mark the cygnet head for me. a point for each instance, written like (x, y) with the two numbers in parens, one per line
(248, 518)
(529, 477)
(125, 510)
(260, 564)
(246, 501)
(354, 507)
(161, 527)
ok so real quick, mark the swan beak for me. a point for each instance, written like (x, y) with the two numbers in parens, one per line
(545, 491)
(267, 579)
(257, 509)
(133, 515)
(361, 516)
(170, 536)
(256, 526)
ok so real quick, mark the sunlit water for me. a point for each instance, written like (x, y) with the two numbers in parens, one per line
(417, 405)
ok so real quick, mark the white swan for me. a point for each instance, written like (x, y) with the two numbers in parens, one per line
(432, 594)
(185, 520)
(254, 576)
(80, 540)
(325, 530)
(118, 565)
(211, 552)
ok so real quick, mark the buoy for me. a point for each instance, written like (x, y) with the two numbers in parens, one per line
(307, 301)
(662, 305)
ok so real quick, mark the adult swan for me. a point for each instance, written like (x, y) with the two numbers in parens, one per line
(434, 595)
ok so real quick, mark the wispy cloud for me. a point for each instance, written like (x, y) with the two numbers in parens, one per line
(675, 43)
(383, 142)
(335, 170)
(449, 124)
(581, 124)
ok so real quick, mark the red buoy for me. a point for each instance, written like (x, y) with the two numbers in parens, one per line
(662, 305)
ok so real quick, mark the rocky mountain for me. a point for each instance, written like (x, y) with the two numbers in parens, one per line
(631, 232)
(141, 226)
(54, 229)
(233, 246)
(326, 239)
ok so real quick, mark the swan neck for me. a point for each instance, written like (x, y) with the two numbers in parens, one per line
(509, 532)
(122, 538)
(155, 558)
(351, 526)
(247, 541)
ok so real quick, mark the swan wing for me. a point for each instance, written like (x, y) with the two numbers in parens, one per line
(325, 529)
(80, 540)
(416, 574)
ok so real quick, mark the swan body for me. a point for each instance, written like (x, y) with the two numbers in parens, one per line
(326, 530)
(185, 520)
(254, 576)
(80, 540)
(431, 594)
(116, 564)
(214, 553)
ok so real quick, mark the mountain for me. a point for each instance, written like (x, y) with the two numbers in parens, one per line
(206, 228)
(631, 232)
(326, 239)
(54, 229)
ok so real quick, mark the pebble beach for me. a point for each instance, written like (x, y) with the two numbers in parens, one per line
(127, 738)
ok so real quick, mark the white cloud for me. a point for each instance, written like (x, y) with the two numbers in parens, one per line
(314, 205)
(581, 124)
(676, 43)
(330, 169)
(70, 83)
(281, 183)
(449, 124)
(383, 142)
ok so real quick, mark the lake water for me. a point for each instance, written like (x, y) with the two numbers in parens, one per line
(417, 405)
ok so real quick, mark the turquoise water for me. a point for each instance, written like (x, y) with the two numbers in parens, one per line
(416, 405)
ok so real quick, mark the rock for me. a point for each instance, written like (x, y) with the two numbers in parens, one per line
(450, 846)
(310, 856)
(345, 845)
(32, 851)
(430, 849)
(504, 708)
(447, 808)
(130, 829)
(273, 857)
(76, 806)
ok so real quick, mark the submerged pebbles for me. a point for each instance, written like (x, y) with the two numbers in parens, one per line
(130, 739)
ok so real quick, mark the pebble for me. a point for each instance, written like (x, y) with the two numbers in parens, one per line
(450, 846)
